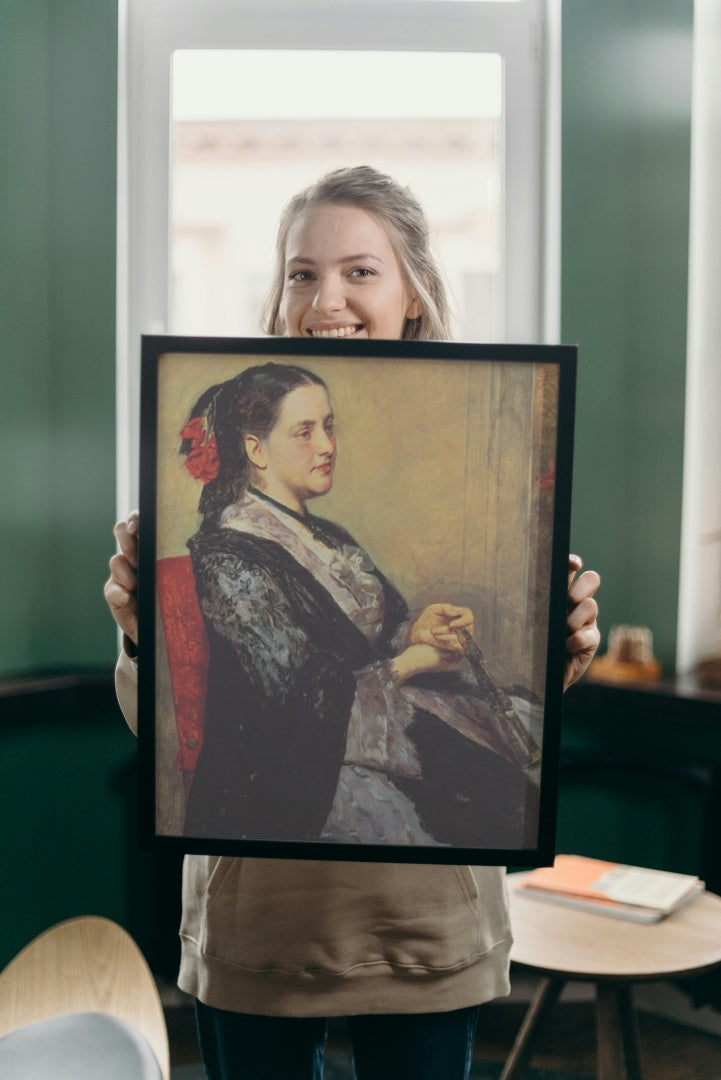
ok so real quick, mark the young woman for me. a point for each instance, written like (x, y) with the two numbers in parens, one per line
(271, 948)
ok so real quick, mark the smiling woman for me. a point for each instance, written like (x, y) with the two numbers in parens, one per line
(295, 941)
(353, 259)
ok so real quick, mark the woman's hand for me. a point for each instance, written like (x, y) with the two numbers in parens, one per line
(437, 624)
(121, 587)
(583, 635)
(421, 659)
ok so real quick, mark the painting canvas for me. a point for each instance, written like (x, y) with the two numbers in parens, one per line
(353, 573)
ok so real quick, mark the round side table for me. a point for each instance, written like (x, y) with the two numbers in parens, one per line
(563, 944)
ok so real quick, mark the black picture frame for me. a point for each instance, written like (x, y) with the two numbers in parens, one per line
(454, 477)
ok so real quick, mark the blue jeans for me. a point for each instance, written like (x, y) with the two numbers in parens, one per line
(415, 1046)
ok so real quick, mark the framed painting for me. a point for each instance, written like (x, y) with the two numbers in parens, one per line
(352, 597)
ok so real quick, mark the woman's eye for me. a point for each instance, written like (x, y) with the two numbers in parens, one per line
(303, 435)
(300, 276)
(362, 272)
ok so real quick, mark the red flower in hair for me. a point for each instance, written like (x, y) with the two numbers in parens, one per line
(201, 459)
(195, 430)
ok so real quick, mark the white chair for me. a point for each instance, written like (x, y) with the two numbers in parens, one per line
(80, 1002)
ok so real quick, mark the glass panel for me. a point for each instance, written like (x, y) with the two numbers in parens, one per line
(432, 120)
(467, 1)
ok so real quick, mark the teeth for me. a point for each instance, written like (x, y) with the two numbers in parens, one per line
(336, 332)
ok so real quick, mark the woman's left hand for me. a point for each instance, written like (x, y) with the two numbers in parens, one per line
(437, 624)
(583, 635)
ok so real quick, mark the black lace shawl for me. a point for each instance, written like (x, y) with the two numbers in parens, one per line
(280, 688)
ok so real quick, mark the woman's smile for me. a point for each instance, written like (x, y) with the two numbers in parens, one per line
(334, 331)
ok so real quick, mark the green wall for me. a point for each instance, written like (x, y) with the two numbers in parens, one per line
(58, 72)
(67, 761)
(69, 808)
(626, 145)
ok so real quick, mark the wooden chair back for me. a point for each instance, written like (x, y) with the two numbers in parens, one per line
(87, 964)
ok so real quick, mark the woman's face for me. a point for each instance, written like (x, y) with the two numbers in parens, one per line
(295, 462)
(342, 277)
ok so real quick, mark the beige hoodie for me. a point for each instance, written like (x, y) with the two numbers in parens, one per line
(284, 937)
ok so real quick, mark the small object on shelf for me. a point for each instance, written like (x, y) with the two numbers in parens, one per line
(634, 893)
(709, 670)
(629, 657)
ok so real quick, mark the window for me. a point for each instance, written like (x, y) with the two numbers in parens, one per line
(227, 107)
(235, 161)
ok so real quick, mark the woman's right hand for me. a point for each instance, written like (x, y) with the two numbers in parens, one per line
(121, 587)
(437, 625)
(421, 659)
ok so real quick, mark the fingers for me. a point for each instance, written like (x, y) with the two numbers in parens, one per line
(585, 640)
(123, 608)
(584, 613)
(455, 616)
(420, 659)
(575, 563)
(583, 636)
(452, 619)
(119, 600)
(126, 534)
(438, 638)
(123, 572)
(583, 587)
(446, 611)
(447, 639)
(121, 587)
(437, 625)
(581, 649)
(582, 607)
(582, 631)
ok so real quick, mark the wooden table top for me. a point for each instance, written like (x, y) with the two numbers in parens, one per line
(559, 940)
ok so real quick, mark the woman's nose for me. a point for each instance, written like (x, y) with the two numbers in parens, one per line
(324, 443)
(329, 295)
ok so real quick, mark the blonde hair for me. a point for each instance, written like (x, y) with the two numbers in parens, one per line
(403, 217)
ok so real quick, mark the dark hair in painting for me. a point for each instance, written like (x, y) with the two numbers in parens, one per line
(247, 404)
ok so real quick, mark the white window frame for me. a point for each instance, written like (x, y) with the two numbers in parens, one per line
(526, 34)
(699, 597)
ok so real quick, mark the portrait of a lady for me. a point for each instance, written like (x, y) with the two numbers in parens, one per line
(332, 712)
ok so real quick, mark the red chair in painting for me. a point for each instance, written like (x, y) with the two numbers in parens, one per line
(187, 650)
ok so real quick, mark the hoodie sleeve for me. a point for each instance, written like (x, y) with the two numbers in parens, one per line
(126, 689)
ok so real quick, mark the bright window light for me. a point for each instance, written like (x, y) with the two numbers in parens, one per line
(220, 84)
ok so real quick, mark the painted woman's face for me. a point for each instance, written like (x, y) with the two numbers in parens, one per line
(342, 277)
(295, 462)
